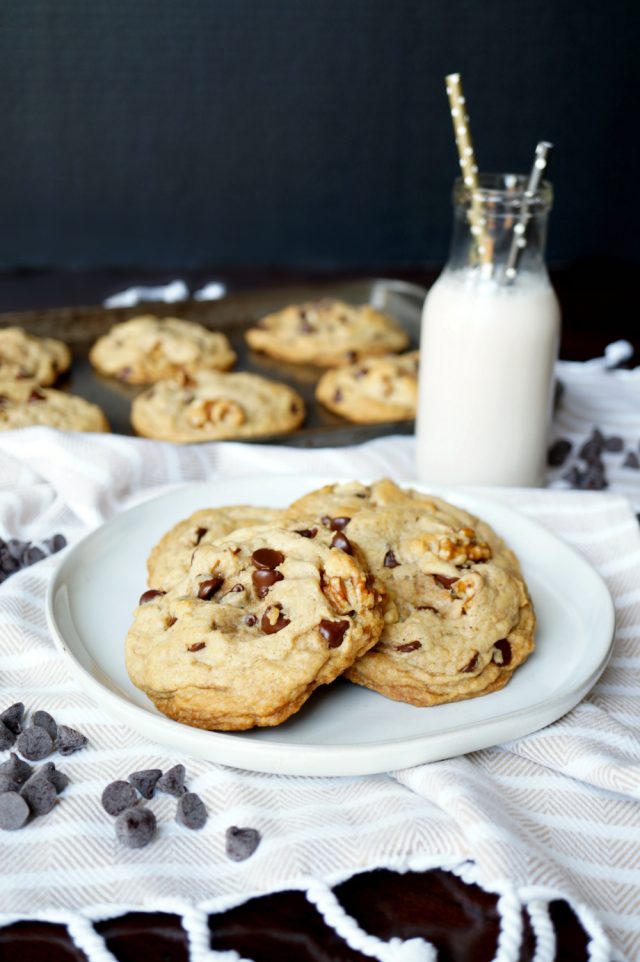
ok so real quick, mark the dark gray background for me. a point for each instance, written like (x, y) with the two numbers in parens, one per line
(303, 132)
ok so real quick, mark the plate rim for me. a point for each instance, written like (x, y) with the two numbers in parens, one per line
(327, 758)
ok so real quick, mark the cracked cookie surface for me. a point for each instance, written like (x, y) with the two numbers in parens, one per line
(373, 390)
(326, 333)
(262, 618)
(146, 349)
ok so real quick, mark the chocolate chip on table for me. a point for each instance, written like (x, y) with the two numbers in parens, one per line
(12, 717)
(18, 769)
(409, 646)
(40, 794)
(44, 720)
(558, 452)
(333, 632)
(306, 532)
(70, 740)
(592, 448)
(335, 524)
(145, 781)
(593, 478)
(117, 797)
(341, 541)
(444, 581)
(572, 476)
(208, 588)
(55, 544)
(34, 743)
(266, 558)
(7, 737)
(273, 620)
(631, 460)
(191, 811)
(241, 843)
(57, 778)
(172, 782)
(149, 595)
(135, 827)
(8, 783)
(614, 444)
(390, 560)
(504, 649)
(263, 580)
(32, 555)
(14, 811)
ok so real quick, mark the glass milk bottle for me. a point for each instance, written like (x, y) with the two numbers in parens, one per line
(489, 342)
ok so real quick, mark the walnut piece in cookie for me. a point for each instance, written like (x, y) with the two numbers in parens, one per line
(262, 618)
(147, 349)
(372, 390)
(212, 406)
(327, 333)
(29, 360)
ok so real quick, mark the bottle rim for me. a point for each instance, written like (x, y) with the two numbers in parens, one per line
(504, 192)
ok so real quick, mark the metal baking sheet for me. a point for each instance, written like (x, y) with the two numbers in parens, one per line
(79, 327)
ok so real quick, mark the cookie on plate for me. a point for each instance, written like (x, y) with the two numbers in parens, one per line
(210, 407)
(376, 389)
(262, 618)
(327, 333)
(169, 560)
(30, 360)
(458, 617)
(26, 406)
(146, 349)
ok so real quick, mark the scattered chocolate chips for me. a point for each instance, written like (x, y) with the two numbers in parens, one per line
(18, 769)
(444, 581)
(149, 595)
(263, 580)
(341, 541)
(333, 632)
(7, 737)
(409, 646)
(117, 797)
(241, 843)
(172, 782)
(306, 532)
(14, 811)
(271, 623)
(44, 720)
(40, 794)
(631, 461)
(208, 588)
(471, 665)
(558, 452)
(145, 781)
(16, 554)
(390, 560)
(34, 743)
(335, 524)
(266, 558)
(191, 811)
(614, 444)
(197, 646)
(70, 740)
(135, 827)
(504, 648)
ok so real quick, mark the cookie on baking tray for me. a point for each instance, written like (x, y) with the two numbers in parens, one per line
(146, 349)
(327, 333)
(376, 389)
(211, 406)
(169, 560)
(458, 617)
(27, 359)
(24, 406)
(263, 617)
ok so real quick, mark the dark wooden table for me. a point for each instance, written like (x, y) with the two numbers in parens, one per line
(460, 920)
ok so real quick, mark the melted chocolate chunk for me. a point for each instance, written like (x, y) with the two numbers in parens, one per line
(197, 646)
(427, 608)
(390, 560)
(335, 524)
(269, 627)
(208, 588)
(471, 665)
(36, 396)
(351, 356)
(250, 620)
(267, 558)
(236, 588)
(341, 541)
(333, 632)
(200, 533)
(445, 582)
(263, 580)
(504, 648)
(307, 532)
(410, 646)
(150, 595)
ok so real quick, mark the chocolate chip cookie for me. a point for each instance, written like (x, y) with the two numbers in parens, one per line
(327, 333)
(169, 560)
(458, 617)
(262, 618)
(26, 406)
(211, 407)
(146, 349)
(374, 390)
(25, 359)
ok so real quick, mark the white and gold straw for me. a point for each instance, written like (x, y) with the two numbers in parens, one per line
(468, 166)
(519, 241)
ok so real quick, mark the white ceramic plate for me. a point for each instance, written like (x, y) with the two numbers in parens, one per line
(343, 729)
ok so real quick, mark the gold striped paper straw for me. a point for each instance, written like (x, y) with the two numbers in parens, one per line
(468, 166)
